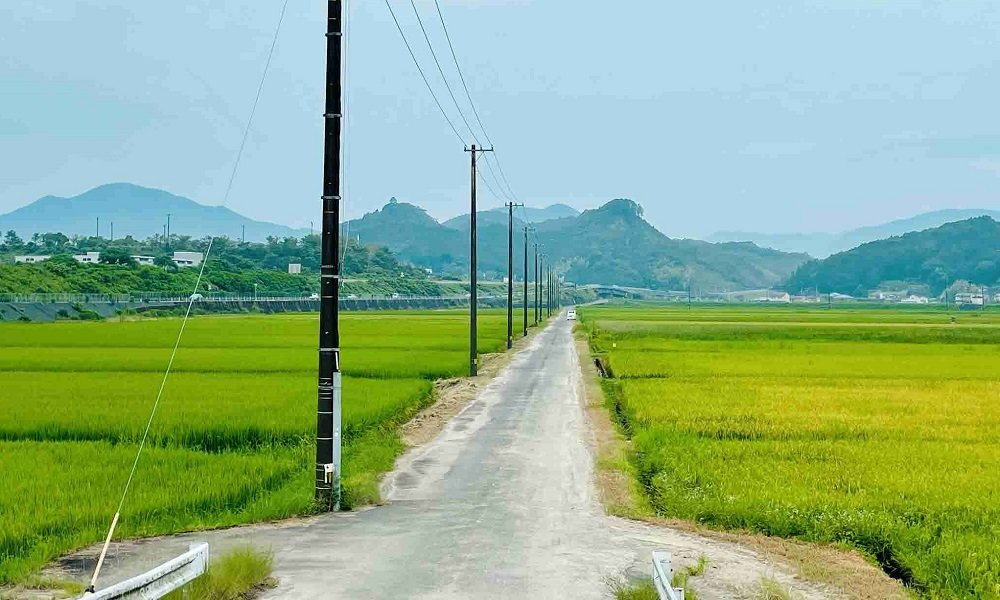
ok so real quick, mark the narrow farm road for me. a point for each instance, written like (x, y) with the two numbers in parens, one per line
(502, 504)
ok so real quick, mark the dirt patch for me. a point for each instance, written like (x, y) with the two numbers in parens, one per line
(452, 395)
(845, 572)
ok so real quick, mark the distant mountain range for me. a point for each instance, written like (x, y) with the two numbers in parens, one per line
(137, 211)
(821, 245)
(522, 215)
(934, 258)
(612, 244)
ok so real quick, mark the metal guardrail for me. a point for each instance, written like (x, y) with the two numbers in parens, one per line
(160, 581)
(63, 298)
(663, 575)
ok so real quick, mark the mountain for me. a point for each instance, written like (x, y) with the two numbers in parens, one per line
(137, 211)
(522, 214)
(612, 244)
(615, 245)
(822, 245)
(965, 250)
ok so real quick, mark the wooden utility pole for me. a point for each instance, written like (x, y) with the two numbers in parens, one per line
(328, 408)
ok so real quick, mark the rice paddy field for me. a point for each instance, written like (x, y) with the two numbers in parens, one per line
(233, 439)
(877, 429)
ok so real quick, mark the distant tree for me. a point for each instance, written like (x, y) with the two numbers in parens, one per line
(165, 262)
(117, 256)
(11, 242)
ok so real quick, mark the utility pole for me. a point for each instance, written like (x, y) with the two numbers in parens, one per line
(112, 231)
(328, 408)
(536, 284)
(98, 227)
(243, 234)
(473, 266)
(525, 303)
(164, 236)
(510, 274)
(168, 229)
(541, 286)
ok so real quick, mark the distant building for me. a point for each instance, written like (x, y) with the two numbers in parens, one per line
(914, 299)
(886, 296)
(972, 299)
(145, 260)
(771, 296)
(31, 259)
(90, 258)
(294, 268)
(188, 259)
(837, 296)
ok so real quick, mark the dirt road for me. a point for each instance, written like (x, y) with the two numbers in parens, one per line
(500, 505)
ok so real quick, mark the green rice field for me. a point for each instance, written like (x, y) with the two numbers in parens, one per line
(877, 429)
(232, 441)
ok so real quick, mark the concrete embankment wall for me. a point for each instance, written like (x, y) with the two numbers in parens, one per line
(53, 311)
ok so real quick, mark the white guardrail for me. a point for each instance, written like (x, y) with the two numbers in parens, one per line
(160, 581)
(663, 575)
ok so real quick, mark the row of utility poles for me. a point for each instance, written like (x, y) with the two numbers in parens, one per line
(328, 408)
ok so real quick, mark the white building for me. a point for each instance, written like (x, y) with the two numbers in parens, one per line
(90, 258)
(970, 299)
(188, 259)
(31, 259)
(914, 299)
(294, 268)
(145, 260)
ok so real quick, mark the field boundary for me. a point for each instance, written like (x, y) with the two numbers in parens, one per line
(621, 494)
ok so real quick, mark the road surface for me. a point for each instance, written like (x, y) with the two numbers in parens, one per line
(502, 504)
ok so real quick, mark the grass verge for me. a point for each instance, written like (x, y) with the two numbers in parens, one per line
(239, 575)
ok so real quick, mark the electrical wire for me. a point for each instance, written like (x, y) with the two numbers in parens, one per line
(422, 74)
(191, 300)
(468, 94)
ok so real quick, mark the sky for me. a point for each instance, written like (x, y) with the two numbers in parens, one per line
(800, 116)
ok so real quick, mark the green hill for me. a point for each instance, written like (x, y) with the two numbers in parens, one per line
(612, 245)
(967, 250)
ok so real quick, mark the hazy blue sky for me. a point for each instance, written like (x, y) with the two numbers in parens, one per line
(774, 116)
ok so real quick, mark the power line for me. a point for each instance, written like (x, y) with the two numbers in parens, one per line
(191, 300)
(441, 71)
(422, 75)
(468, 94)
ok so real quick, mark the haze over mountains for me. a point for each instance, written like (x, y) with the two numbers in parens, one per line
(821, 245)
(137, 211)
(933, 259)
(612, 244)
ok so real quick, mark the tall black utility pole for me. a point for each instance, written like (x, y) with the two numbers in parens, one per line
(473, 283)
(510, 274)
(526, 281)
(168, 229)
(328, 474)
(98, 227)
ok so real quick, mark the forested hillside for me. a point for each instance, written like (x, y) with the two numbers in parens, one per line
(611, 245)
(967, 250)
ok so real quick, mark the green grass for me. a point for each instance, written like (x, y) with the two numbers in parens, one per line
(232, 441)
(235, 576)
(887, 444)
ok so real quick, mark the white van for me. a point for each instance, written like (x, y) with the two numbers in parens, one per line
(571, 315)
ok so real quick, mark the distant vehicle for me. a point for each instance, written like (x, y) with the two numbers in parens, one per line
(571, 315)
(314, 296)
(196, 297)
